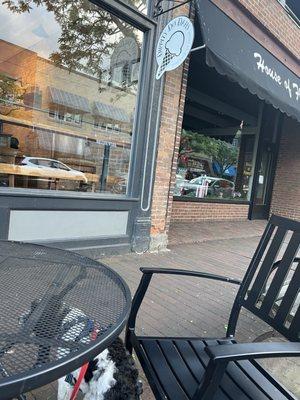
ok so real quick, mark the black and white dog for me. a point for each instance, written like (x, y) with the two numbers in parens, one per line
(112, 375)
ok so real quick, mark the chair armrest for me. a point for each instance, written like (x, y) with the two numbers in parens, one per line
(206, 275)
(145, 281)
(245, 351)
(221, 355)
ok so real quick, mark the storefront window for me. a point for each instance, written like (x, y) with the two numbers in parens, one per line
(69, 74)
(140, 5)
(215, 167)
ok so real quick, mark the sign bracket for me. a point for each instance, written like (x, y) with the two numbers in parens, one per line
(158, 9)
(198, 48)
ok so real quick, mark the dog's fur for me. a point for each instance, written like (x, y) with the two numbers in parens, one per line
(112, 375)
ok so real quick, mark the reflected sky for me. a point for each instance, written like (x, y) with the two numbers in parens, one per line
(37, 31)
(141, 5)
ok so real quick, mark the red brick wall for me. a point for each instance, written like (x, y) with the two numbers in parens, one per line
(279, 27)
(274, 17)
(268, 23)
(286, 191)
(194, 211)
(167, 152)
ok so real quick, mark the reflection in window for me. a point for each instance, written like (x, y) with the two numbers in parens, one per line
(216, 167)
(140, 5)
(66, 117)
(292, 7)
(68, 88)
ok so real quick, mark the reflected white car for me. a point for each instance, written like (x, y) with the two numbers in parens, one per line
(216, 186)
(49, 164)
(180, 181)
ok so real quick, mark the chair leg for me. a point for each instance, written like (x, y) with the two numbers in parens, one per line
(128, 344)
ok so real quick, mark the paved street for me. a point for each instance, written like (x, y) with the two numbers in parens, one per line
(190, 306)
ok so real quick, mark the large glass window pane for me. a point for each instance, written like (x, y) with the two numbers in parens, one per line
(140, 5)
(216, 167)
(69, 74)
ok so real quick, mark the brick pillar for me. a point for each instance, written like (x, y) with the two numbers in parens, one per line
(286, 191)
(168, 147)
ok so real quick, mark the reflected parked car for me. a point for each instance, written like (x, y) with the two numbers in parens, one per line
(217, 187)
(178, 184)
(49, 164)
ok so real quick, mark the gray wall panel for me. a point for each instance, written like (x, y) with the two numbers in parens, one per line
(41, 225)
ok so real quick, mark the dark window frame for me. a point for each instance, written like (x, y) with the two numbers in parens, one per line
(143, 141)
(294, 14)
(148, 26)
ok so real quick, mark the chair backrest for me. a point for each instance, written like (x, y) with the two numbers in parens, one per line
(271, 286)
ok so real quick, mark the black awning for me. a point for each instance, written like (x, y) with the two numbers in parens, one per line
(234, 53)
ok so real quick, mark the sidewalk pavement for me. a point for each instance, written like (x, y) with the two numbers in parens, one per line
(187, 232)
(187, 306)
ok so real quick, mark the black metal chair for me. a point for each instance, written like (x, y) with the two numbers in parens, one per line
(222, 369)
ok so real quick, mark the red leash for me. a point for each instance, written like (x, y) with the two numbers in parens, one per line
(79, 380)
(82, 372)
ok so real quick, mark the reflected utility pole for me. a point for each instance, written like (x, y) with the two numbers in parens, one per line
(105, 167)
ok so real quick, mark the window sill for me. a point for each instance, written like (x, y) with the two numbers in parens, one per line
(67, 123)
(206, 200)
(21, 192)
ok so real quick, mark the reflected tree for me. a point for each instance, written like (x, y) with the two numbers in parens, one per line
(224, 154)
(86, 40)
(11, 94)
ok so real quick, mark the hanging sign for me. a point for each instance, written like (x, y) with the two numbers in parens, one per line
(174, 44)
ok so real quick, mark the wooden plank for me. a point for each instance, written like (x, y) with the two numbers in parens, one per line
(11, 169)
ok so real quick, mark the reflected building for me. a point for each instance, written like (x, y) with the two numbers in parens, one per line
(67, 116)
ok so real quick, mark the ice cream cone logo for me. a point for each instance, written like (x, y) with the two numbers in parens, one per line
(174, 44)
(173, 49)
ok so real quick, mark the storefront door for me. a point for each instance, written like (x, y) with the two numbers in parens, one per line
(265, 163)
(261, 206)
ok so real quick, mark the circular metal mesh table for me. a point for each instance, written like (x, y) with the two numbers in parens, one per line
(58, 310)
